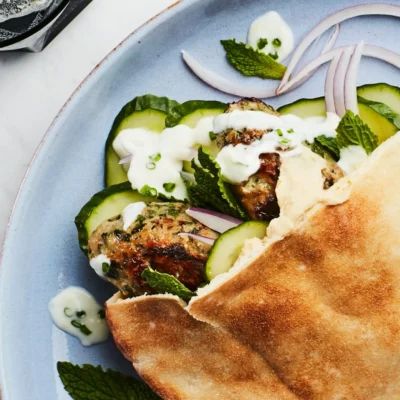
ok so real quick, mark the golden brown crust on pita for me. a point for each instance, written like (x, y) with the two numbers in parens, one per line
(182, 358)
(322, 306)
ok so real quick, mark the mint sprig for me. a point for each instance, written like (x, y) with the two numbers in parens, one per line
(166, 283)
(352, 131)
(93, 383)
(208, 190)
(251, 62)
(326, 147)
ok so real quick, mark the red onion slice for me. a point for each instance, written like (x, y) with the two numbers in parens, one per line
(213, 220)
(340, 77)
(350, 84)
(126, 160)
(202, 239)
(224, 85)
(329, 81)
(368, 51)
(332, 40)
(334, 19)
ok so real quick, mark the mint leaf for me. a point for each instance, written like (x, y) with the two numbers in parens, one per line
(210, 191)
(92, 383)
(353, 131)
(252, 62)
(382, 109)
(166, 283)
(326, 147)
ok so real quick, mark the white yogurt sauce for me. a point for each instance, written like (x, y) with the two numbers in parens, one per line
(89, 328)
(131, 212)
(157, 158)
(239, 162)
(271, 26)
(351, 157)
(97, 264)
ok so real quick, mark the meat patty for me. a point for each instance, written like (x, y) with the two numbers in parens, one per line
(153, 240)
(258, 193)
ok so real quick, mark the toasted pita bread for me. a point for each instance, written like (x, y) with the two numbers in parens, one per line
(182, 358)
(322, 306)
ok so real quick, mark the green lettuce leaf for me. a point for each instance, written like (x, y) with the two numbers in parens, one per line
(210, 191)
(166, 283)
(252, 62)
(326, 147)
(382, 109)
(353, 131)
(93, 383)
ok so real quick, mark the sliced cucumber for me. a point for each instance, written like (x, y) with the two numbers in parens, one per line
(142, 112)
(305, 108)
(191, 112)
(382, 93)
(228, 246)
(104, 205)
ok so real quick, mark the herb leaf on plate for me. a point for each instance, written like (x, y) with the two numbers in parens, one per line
(166, 283)
(208, 190)
(326, 147)
(353, 131)
(93, 383)
(252, 62)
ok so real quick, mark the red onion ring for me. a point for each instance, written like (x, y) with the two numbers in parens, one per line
(329, 81)
(202, 239)
(340, 77)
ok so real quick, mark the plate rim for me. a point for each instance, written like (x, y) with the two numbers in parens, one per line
(167, 12)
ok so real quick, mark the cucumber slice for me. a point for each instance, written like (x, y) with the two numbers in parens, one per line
(228, 246)
(104, 205)
(191, 112)
(382, 93)
(304, 108)
(142, 112)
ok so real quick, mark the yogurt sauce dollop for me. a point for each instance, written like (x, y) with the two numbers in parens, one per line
(275, 34)
(75, 311)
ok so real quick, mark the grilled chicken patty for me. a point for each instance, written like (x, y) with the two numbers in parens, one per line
(258, 193)
(153, 240)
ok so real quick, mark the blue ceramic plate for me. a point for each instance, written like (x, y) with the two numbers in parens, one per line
(41, 254)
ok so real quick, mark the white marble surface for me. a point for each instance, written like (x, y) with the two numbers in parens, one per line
(33, 87)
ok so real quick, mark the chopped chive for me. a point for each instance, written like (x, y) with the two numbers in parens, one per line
(148, 191)
(290, 130)
(262, 43)
(169, 187)
(102, 314)
(80, 314)
(279, 132)
(151, 165)
(213, 136)
(274, 55)
(67, 312)
(284, 141)
(277, 42)
(105, 267)
(155, 157)
(83, 328)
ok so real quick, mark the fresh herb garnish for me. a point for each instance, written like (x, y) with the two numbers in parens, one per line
(102, 314)
(209, 190)
(284, 141)
(277, 42)
(326, 147)
(279, 132)
(169, 187)
(213, 136)
(80, 314)
(353, 131)
(82, 327)
(274, 55)
(262, 43)
(382, 109)
(151, 165)
(146, 190)
(68, 312)
(105, 267)
(252, 62)
(93, 383)
(165, 283)
(291, 130)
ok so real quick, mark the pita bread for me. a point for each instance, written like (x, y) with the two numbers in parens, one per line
(322, 306)
(182, 358)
